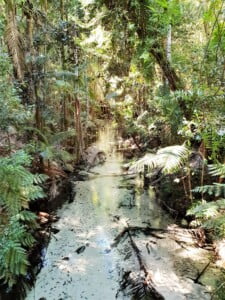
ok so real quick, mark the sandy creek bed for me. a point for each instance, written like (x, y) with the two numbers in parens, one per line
(93, 220)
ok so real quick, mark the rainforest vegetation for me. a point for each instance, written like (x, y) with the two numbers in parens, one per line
(154, 69)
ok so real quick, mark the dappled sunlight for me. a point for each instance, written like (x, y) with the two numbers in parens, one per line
(78, 265)
(194, 253)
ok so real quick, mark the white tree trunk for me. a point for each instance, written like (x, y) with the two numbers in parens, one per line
(169, 43)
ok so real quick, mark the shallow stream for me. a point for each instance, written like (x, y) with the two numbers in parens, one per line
(81, 263)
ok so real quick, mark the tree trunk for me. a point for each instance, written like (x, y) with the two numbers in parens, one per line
(79, 131)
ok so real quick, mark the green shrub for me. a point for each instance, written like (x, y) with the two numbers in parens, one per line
(18, 186)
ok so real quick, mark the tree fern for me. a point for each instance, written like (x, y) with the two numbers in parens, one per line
(169, 159)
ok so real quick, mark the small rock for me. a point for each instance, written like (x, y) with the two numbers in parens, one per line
(66, 258)
(80, 249)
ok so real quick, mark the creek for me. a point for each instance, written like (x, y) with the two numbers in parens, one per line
(80, 261)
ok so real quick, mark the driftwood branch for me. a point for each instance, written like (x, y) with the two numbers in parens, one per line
(142, 286)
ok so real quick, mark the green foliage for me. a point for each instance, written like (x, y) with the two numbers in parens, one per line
(49, 144)
(169, 107)
(214, 142)
(169, 159)
(211, 215)
(11, 110)
(17, 185)
(205, 210)
(217, 170)
(14, 239)
(217, 189)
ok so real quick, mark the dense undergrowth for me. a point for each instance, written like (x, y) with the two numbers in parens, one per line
(156, 68)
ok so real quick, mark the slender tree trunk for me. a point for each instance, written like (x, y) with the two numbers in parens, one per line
(63, 60)
(169, 44)
(79, 131)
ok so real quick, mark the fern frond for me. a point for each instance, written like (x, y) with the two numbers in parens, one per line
(217, 225)
(25, 216)
(217, 170)
(17, 185)
(39, 132)
(13, 256)
(211, 215)
(216, 189)
(204, 210)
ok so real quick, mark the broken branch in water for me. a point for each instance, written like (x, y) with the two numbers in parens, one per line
(141, 285)
(145, 230)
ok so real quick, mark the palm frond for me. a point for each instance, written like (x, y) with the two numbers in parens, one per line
(169, 159)
(172, 158)
(148, 160)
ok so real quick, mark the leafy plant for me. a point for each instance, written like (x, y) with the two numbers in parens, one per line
(14, 239)
(18, 186)
(49, 144)
(169, 160)
(211, 215)
(216, 189)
